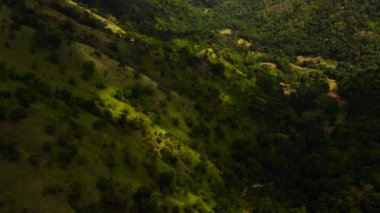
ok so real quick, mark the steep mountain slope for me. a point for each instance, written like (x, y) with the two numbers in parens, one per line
(187, 106)
(82, 130)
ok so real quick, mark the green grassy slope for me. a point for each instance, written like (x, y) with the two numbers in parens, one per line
(66, 130)
(138, 114)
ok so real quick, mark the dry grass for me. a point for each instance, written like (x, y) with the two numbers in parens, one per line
(269, 65)
(245, 43)
(225, 32)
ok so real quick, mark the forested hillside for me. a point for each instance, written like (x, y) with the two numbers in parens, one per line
(189, 106)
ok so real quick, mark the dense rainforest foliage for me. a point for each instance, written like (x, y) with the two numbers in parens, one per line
(189, 106)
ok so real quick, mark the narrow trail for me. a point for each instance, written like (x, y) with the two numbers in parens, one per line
(333, 92)
(342, 104)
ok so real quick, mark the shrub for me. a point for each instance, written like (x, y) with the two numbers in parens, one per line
(110, 162)
(48, 36)
(10, 152)
(134, 93)
(90, 106)
(3, 72)
(25, 97)
(113, 198)
(189, 122)
(72, 81)
(218, 69)
(201, 168)
(5, 94)
(106, 114)
(76, 130)
(18, 114)
(168, 156)
(99, 124)
(113, 46)
(3, 113)
(100, 83)
(144, 200)
(151, 166)
(66, 157)
(175, 121)
(50, 129)
(52, 190)
(31, 80)
(122, 120)
(34, 160)
(64, 95)
(176, 209)
(129, 159)
(69, 150)
(64, 140)
(200, 131)
(166, 182)
(136, 123)
(53, 57)
(219, 132)
(47, 147)
(75, 194)
(88, 70)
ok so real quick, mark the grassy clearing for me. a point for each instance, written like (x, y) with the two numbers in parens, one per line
(317, 60)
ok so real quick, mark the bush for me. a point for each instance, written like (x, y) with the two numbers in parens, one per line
(25, 97)
(88, 70)
(64, 95)
(76, 130)
(72, 81)
(18, 114)
(151, 166)
(52, 190)
(3, 113)
(34, 160)
(122, 119)
(134, 93)
(168, 156)
(113, 198)
(5, 94)
(66, 157)
(47, 147)
(50, 129)
(3, 73)
(200, 131)
(189, 122)
(163, 104)
(101, 83)
(75, 195)
(219, 132)
(144, 200)
(53, 57)
(33, 83)
(136, 123)
(218, 70)
(10, 152)
(90, 106)
(175, 122)
(48, 36)
(69, 150)
(99, 124)
(166, 182)
(130, 159)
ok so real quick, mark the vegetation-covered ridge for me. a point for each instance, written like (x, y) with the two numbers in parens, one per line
(189, 106)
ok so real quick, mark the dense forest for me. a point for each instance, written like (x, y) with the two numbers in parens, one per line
(189, 106)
